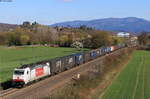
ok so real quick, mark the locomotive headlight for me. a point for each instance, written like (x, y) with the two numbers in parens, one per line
(47, 64)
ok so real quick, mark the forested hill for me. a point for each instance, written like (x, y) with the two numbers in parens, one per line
(129, 24)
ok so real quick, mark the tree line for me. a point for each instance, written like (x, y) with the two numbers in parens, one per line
(144, 38)
(34, 33)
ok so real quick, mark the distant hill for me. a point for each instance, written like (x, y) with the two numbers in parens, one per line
(129, 24)
(7, 27)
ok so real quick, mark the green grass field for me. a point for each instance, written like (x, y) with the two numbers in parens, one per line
(13, 57)
(134, 81)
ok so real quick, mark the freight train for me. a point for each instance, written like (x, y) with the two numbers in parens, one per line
(32, 72)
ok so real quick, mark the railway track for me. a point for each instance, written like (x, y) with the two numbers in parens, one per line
(44, 88)
(8, 91)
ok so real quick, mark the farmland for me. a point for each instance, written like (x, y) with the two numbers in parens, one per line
(134, 81)
(15, 56)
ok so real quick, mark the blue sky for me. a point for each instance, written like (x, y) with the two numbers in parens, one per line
(53, 11)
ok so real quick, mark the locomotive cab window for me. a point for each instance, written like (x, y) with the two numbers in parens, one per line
(17, 72)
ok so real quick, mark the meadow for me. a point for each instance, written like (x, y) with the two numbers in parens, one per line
(134, 81)
(13, 57)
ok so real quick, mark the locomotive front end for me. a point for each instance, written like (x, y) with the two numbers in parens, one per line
(18, 77)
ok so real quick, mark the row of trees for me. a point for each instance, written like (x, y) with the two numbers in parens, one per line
(34, 33)
(101, 38)
(28, 33)
(144, 38)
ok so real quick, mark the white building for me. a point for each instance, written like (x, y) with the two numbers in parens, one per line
(123, 34)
